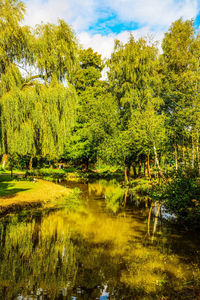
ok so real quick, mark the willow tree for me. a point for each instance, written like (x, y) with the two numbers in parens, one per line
(55, 51)
(35, 117)
(13, 36)
(14, 40)
(37, 120)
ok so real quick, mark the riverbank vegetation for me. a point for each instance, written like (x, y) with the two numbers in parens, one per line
(143, 118)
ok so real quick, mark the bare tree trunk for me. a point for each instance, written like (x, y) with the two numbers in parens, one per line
(157, 161)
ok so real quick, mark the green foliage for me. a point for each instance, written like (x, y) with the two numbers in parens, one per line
(14, 37)
(140, 190)
(56, 50)
(90, 69)
(37, 120)
(95, 122)
(181, 197)
(48, 174)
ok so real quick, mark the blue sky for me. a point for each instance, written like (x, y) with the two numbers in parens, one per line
(98, 22)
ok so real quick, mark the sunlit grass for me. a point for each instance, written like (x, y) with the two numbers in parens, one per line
(23, 193)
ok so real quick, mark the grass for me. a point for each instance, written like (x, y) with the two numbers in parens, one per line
(16, 194)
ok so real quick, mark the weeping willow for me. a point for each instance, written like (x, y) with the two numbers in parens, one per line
(43, 258)
(37, 120)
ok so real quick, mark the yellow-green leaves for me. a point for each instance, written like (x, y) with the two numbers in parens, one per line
(56, 50)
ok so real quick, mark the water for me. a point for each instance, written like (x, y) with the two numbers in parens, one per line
(99, 249)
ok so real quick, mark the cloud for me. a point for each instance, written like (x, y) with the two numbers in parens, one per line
(153, 13)
(79, 14)
(142, 17)
(104, 45)
(82, 14)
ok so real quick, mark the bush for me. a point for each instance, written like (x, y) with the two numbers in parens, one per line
(181, 196)
(48, 173)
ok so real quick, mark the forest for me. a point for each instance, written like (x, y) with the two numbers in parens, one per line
(142, 117)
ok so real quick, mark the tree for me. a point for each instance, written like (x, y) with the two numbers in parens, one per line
(36, 118)
(89, 73)
(97, 114)
(180, 67)
(37, 121)
(56, 51)
(135, 81)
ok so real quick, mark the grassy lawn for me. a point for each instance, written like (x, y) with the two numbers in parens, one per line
(16, 194)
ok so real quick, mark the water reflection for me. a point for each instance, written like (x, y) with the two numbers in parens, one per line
(37, 257)
(89, 253)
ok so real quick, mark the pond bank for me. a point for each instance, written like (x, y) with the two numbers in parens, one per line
(16, 195)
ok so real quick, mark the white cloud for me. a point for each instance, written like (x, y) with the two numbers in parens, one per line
(101, 44)
(79, 14)
(153, 16)
(104, 45)
(154, 12)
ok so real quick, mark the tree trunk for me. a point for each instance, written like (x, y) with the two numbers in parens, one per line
(140, 167)
(144, 164)
(134, 170)
(4, 160)
(157, 161)
(125, 174)
(30, 166)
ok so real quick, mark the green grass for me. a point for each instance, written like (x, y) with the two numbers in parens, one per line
(12, 187)
(19, 194)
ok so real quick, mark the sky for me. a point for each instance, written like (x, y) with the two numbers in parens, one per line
(97, 23)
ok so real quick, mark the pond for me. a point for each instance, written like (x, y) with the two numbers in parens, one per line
(99, 248)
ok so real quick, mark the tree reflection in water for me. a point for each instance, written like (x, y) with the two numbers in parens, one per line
(90, 253)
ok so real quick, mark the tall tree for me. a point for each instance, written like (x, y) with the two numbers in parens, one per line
(56, 51)
(180, 65)
(97, 110)
(134, 79)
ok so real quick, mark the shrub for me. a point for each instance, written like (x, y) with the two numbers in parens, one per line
(181, 196)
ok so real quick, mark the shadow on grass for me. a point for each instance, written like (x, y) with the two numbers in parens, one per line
(6, 189)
